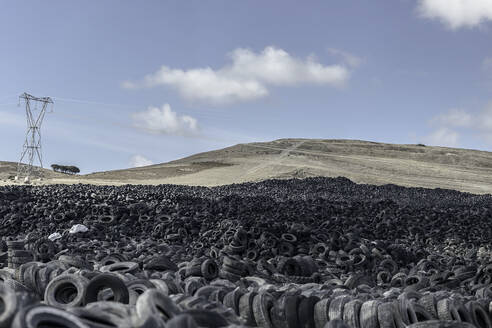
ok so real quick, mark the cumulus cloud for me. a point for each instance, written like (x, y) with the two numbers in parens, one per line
(442, 137)
(458, 118)
(350, 59)
(455, 118)
(247, 77)
(478, 123)
(457, 13)
(139, 160)
(165, 121)
(483, 121)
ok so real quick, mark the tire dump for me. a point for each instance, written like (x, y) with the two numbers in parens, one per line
(316, 253)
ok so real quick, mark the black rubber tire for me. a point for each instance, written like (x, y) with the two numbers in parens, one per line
(246, 308)
(337, 323)
(106, 280)
(20, 253)
(229, 276)
(277, 313)
(46, 316)
(441, 324)
(194, 268)
(306, 312)
(192, 284)
(231, 299)
(291, 308)
(96, 319)
(322, 312)
(139, 285)
(160, 285)
(448, 309)
(369, 314)
(479, 315)
(336, 307)
(182, 321)
(351, 313)
(386, 315)
(66, 291)
(154, 302)
(15, 244)
(122, 313)
(44, 249)
(206, 318)
(121, 267)
(10, 306)
(205, 291)
(191, 302)
(429, 302)
(209, 269)
(262, 303)
(420, 313)
(161, 263)
(463, 312)
(289, 267)
(405, 310)
(112, 258)
(15, 285)
(75, 261)
(150, 322)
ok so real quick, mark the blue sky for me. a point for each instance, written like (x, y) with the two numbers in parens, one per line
(151, 81)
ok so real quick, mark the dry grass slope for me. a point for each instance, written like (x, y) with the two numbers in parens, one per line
(360, 161)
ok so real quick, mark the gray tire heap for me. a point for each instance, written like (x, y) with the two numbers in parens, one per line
(298, 253)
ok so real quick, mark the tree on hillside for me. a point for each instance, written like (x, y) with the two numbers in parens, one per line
(73, 169)
(65, 169)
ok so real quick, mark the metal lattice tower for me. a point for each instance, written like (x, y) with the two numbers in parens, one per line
(32, 145)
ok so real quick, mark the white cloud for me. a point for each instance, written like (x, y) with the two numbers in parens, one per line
(164, 121)
(458, 118)
(247, 77)
(455, 118)
(478, 123)
(442, 137)
(206, 84)
(457, 13)
(351, 59)
(139, 160)
(484, 119)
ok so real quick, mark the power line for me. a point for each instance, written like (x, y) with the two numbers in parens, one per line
(92, 102)
(204, 112)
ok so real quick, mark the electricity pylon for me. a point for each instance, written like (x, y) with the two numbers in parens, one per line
(32, 145)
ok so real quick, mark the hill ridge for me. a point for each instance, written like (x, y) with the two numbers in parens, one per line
(361, 161)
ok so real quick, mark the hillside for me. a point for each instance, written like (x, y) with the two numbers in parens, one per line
(360, 161)
(9, 170)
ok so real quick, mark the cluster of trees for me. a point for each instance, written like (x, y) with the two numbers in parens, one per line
(65, 169)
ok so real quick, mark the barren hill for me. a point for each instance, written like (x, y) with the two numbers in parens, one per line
(360, 161)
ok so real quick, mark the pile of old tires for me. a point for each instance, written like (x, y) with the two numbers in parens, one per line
(317, 253)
